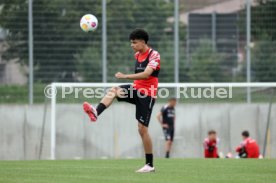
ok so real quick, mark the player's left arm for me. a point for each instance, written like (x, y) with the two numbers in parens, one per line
(205, 144)
(142, 75)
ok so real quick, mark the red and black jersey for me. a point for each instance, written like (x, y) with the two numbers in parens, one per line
(150, 58)
(211, 148)
(251, 148)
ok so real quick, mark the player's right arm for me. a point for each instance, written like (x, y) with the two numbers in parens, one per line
(208, 146)
(159, 118)
(205, 144)
(241, 146)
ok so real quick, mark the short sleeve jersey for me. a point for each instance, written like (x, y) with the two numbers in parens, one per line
(168, 115)
(151, 58)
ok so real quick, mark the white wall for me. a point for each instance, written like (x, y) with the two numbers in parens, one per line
(115, 134)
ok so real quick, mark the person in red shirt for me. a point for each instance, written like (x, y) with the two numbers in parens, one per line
(141, 93)
(248, 147)
(210, 145)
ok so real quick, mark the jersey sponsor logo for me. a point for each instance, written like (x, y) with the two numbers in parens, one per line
(140, 67)
(171, 113)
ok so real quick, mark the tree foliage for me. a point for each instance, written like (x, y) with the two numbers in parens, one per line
(61, 48)
(264, 38)
(206, 64)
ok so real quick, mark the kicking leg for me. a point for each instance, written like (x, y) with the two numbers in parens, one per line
(111, 95)
(93, 112)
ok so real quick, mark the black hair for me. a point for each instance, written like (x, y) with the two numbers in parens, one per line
(212, 132)
(140, 34)
(245, 133)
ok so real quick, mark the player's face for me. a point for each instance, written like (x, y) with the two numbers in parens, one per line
(137, 45)
(212, 136)
(173, 103)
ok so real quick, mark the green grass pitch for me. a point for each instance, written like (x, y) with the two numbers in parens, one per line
(122, 171)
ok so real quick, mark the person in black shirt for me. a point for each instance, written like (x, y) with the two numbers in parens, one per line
(166, 117)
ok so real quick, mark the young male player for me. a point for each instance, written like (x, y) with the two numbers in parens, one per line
(210, 145)
(141, 93)
(248, 148)
(166, 117)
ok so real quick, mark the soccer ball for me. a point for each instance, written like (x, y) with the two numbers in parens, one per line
(88, 23)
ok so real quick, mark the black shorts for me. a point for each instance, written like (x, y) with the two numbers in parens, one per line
(143, 103)
(168, 133)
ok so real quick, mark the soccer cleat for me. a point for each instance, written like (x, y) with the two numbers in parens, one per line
(90, 111)
(146, 169)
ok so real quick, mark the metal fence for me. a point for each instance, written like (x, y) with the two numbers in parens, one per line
(210, 41)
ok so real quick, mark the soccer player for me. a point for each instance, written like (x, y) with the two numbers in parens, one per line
(141, 93)
(166, 117)
(248, 147)
(210, 145)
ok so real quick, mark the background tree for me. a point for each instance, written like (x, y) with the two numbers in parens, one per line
(263, 34)
(206, 64)
(62, 50)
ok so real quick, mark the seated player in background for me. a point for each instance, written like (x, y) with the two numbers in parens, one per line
(210, 145)
(248, 147)
(166, 117)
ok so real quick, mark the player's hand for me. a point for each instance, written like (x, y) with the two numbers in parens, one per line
(120, 75)
(165, 125)
(211, 148)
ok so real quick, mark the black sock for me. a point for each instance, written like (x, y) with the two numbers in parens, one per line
(149, 159)
(100, 108)
(168, 154)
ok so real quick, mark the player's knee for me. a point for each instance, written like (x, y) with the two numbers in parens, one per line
(142, 130)
(113, 92)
